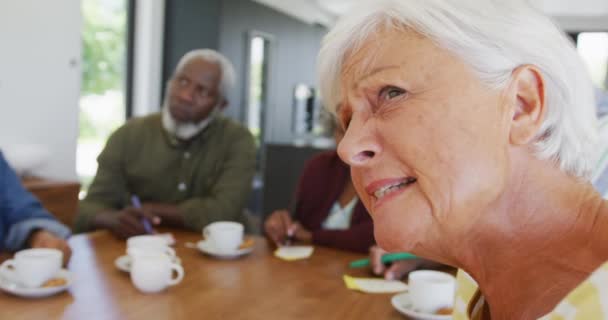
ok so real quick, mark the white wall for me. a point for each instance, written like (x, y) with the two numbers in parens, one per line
(574, 24)
(578, 8)
(579, 15)
(40, 80)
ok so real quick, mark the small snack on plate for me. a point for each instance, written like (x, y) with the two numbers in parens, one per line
(444, 311)
(247, 243)
(55, 282)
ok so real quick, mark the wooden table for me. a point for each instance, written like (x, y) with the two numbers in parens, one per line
(258, 286)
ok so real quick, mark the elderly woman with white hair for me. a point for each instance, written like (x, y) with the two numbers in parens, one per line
(470, 133)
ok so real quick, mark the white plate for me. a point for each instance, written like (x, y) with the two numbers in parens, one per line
(123, 263)
(9, 286)
(207, 248)
(402, 303)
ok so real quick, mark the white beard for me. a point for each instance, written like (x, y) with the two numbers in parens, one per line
(185, 131)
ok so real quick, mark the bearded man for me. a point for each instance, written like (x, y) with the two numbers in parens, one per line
(188, 164)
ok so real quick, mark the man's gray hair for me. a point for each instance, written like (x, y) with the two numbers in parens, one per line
(228, 77)
(493, 37)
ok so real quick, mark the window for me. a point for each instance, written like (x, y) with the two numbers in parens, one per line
(102, 97)
(593, 48)
(257, 84)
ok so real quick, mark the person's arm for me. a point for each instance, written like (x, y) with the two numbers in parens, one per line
(107, 194)
(228, 196)
(23, 213)
(105, 206)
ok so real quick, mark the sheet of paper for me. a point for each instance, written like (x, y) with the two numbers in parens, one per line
(292, 253)
(374, 285)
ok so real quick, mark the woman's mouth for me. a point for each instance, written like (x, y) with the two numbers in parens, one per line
(382, 190)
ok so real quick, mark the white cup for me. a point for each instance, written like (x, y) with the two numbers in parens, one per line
(431, 290)
(153, 272)
(33, 267)
(225, 236)
(150, 243)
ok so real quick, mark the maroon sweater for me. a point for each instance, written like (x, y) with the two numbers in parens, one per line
(321, 184)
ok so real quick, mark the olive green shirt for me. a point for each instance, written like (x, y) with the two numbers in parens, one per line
(209, 177)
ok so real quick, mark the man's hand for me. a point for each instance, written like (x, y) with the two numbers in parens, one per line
(168, 213)
(45, 239)
(396, 270)
(126, 222)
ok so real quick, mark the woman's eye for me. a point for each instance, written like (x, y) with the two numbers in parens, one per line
(389, 93)
(183, 82)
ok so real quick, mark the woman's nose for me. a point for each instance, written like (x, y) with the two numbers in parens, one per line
(358, 147)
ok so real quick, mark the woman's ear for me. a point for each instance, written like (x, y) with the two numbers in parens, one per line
(527, 93)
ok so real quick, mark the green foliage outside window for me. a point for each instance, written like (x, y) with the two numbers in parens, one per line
(103, 37)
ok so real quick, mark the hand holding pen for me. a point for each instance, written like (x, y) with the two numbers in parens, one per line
(127, 222)
(283, 230)
(145, 221)
(392, 266)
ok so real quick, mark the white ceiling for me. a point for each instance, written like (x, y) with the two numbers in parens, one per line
(305, 10)
(325, 12)
(569, 8)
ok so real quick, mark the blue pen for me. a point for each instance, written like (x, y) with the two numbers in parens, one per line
(137, 205)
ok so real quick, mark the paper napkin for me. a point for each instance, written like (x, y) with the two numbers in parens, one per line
(292, 253)
(373, 285)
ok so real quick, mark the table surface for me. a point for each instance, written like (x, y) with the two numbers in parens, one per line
(257, 286)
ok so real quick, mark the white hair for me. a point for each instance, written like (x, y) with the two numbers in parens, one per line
(228, 77)
(493, 37)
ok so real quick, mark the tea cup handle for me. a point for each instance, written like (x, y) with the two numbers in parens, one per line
(180, 274)
(4, 268)
(170, 252)
(207, 233)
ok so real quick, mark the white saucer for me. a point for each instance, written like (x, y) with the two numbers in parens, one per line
(12, 287)
(402, 303)
(207, 248)
(123, 263)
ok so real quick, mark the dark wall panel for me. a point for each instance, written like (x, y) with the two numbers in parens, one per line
(293, 59)
(189, 24)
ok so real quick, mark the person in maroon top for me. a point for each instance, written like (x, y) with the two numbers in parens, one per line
(327, 211)
(324, 183)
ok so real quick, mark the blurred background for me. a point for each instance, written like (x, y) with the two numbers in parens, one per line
(72, 71)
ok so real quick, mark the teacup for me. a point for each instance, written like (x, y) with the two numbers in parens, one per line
(33, 267)
(153, 272)
(224, 236)
(150, 243)
(431, 290)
